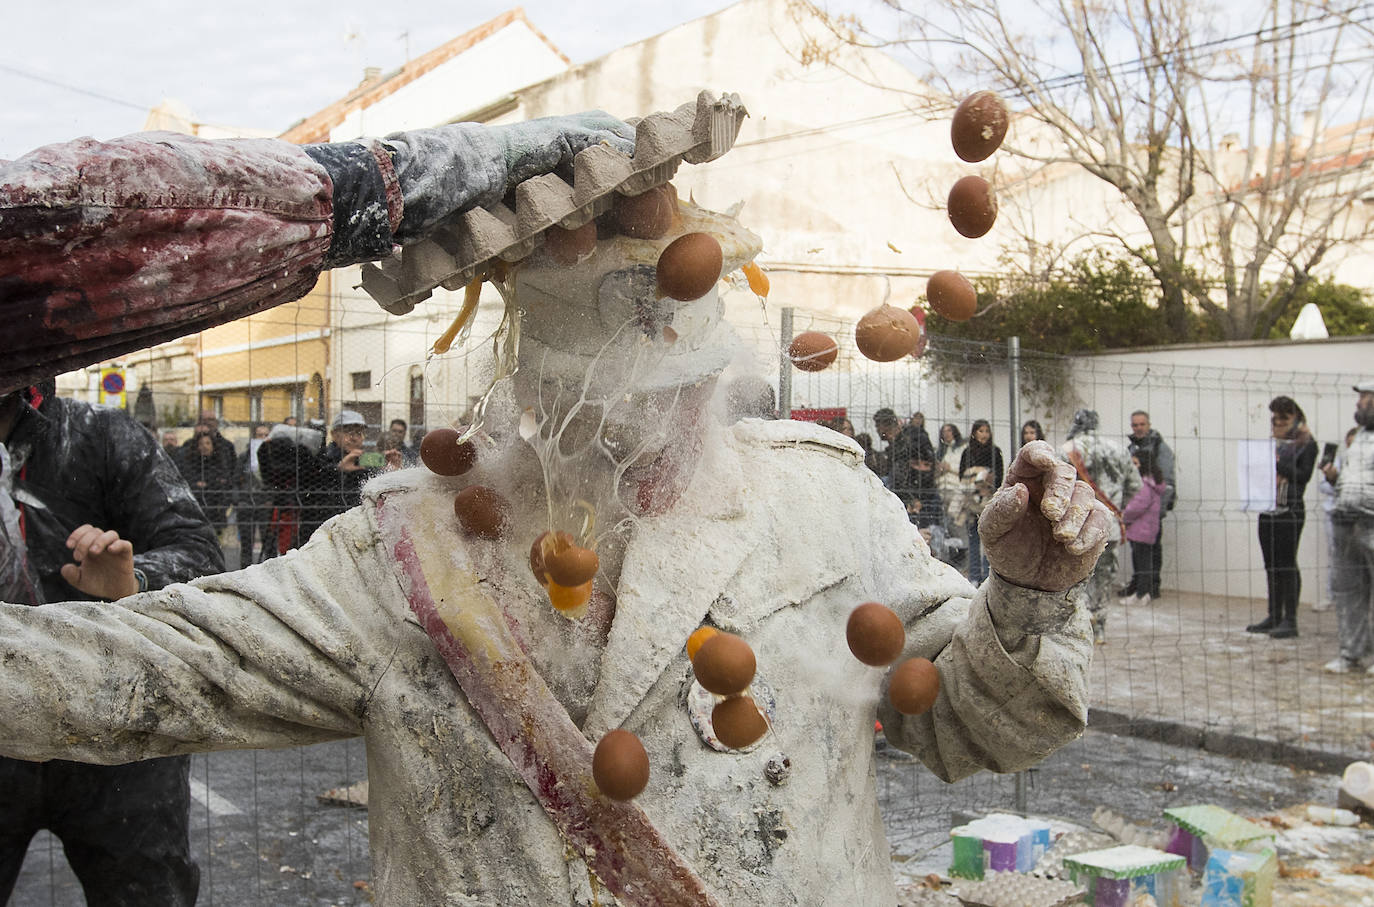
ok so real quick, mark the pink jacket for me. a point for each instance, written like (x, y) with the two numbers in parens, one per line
(1141, 514)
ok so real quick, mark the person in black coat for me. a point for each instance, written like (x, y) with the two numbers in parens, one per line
(1280, 529)
(210, 475)
(980, 467)
(94, 509)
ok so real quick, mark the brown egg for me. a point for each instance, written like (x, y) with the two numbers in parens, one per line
(886, 333)
(568, 247)
(690, 266)
(724, 664)
(648, 215)
(951, 295)
(537, 549)
(570, 565)
(812, 351)
(443, 455)
(875, 634)
(913, 686)
(482, 511)
(738, 722)
(979, 126)
(972, 207)
(620, 766)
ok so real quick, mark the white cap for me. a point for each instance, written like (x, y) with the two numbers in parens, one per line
(1365, 387)
(349, 417)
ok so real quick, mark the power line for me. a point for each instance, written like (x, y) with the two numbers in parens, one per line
(86, 91)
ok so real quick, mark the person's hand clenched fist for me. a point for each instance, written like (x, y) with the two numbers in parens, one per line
(1044, 529)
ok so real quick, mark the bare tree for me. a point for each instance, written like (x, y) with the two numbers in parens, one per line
(1244, 154)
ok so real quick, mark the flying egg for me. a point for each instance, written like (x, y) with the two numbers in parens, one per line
(443, 455)
(951, 295)
(887, 333)
(972, 207)
(690, 266)
(812, 351)
(724, 664)
(979, 126)
(875, 634)
(620, 766)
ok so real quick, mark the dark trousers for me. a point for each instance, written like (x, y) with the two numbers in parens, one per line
(1279, 534)
(1144, 569)
(123, 827)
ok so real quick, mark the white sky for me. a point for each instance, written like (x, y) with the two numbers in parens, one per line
(252, 63)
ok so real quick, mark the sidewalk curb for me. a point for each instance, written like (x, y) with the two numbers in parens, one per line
(1226, 744)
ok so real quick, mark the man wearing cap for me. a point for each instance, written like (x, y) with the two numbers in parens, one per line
(1352, 522)
(344, 455)
(435, 638)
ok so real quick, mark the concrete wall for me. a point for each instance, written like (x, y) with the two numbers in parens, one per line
(1202, 400)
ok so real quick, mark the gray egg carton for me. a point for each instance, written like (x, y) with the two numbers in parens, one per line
(1017, 889)
(465, 246)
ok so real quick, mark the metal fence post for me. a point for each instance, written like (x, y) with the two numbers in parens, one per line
(1014, 412)
(785, 366)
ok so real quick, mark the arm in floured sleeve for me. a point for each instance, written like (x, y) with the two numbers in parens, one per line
(1013, 680)
(1013, 661)
(284, 653)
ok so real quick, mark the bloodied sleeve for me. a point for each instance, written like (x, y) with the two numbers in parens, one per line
(281, 654)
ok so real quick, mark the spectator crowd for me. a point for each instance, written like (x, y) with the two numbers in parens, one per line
(286, 481)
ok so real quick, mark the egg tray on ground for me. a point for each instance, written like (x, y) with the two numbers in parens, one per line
(458, 251)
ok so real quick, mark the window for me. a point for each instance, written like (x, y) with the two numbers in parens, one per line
(361, 380)
(255, 407)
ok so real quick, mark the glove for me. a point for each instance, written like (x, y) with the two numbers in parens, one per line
(449, 169)
(445, 171)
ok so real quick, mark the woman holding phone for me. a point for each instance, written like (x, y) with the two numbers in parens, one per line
(1280, 529)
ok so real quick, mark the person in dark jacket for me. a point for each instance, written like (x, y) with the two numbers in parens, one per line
(302, 491)
(980, 466)
(210, 475)
(226, 455)
(252, 506)
(1280, 529)
(96, 510)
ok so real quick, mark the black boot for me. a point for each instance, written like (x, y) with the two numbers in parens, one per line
(1287, 628)
(1264, 626)
(1284, 629)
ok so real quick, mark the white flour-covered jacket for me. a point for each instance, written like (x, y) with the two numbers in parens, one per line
(782, 532)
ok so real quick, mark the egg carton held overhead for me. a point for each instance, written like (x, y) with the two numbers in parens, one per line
(462, 249)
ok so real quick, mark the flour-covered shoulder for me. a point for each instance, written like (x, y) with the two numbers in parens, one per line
(785, 434)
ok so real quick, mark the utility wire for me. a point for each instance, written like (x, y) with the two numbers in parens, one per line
(14, 70)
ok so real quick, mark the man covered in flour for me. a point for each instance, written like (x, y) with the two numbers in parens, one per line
(479, 735)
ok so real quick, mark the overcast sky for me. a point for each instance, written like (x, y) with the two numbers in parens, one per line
(77, 67)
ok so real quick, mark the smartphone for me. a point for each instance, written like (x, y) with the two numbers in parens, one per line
(372, 459)
(1328, 454)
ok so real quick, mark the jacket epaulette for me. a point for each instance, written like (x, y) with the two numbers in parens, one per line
(789, 433)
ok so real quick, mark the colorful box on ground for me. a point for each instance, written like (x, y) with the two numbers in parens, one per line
(1199, 829)
(998, 842)
(1117, 875)
(1237, 878)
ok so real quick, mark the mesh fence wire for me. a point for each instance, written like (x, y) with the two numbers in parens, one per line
(1180, 671)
